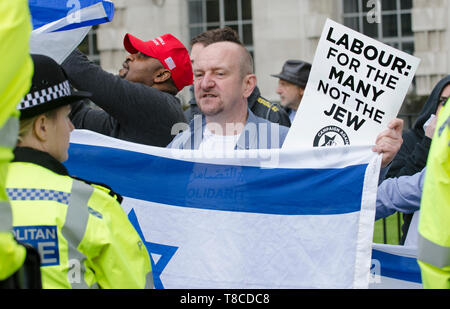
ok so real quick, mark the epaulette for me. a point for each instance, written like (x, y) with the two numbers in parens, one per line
(105, 188)
(267, 104)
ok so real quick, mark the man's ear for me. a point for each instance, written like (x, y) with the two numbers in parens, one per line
(301, 91)
(40, 128)
(249, 84)
(161, 75)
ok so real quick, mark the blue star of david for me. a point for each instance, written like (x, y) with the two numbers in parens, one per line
(165, 251)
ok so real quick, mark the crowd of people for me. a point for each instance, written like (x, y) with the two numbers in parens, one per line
(82, 222)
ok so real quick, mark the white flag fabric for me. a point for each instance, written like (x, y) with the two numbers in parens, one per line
(60, 26)
(255, 219)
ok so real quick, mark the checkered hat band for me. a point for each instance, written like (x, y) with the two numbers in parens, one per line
(45, 95)
(21, 194)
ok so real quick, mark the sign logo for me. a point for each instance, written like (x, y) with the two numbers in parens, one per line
(331, 136)
(43, 238)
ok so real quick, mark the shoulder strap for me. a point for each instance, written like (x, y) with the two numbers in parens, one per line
(103, 187)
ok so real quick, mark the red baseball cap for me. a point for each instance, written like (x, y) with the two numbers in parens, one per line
(169, 51)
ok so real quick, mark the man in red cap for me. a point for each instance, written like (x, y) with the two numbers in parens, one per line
(139, 105)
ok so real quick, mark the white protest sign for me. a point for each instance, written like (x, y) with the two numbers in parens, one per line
(356, 86)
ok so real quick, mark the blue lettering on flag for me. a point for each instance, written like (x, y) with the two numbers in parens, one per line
(43, 238)
(166, 252)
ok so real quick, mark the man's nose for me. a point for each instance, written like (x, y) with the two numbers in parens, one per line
(279, 90)
(207, 81)
(130, 57)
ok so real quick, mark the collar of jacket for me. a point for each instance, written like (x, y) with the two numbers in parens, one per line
(253, 98)
(44, 159)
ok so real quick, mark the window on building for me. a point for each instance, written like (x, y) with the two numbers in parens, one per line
(210, 14)
(89, 46)
(394, 28)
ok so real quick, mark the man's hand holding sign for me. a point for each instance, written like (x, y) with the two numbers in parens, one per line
(389, 141)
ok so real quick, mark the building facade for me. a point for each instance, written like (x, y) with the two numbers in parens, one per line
(275, 31)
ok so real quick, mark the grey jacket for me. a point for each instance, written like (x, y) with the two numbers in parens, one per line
(258, 134)
(130, 111)
(402, 194)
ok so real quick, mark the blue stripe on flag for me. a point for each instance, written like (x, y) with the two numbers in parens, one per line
(220, 187)
(46, 11)
(398, 267)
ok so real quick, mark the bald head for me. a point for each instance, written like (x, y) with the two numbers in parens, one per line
(246, 61)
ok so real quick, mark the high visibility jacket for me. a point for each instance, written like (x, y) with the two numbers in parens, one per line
(434, 222)
(12, 255)
(84, 237)
(17, 70)
(17, 66)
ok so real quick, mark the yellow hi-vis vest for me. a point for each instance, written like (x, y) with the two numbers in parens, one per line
(84, 237)
(17, 66)
(434, 222)
(12, 255)
(17, 70)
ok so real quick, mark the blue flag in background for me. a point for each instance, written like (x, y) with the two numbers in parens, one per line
(60, 26)
(44, 12)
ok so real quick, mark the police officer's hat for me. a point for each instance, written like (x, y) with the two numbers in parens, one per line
(295, 72)
(50, 89)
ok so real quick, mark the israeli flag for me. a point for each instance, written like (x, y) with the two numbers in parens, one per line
(60, 26)
(247, 219)
(394, 267)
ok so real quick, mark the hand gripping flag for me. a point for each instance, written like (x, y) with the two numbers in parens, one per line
(254, 219)
(60, 26)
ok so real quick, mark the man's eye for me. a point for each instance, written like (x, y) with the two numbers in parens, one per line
(142, 55)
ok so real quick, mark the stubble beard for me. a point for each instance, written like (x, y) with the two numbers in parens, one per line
(211, 110)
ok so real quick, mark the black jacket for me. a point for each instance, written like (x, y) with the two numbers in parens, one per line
(256, 103)
(130, 111)
(412, 156)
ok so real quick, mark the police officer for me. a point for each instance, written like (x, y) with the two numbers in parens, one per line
(434, 221)
(15, 29)
(82, 233)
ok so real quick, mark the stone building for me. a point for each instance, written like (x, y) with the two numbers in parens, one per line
(275, 31)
